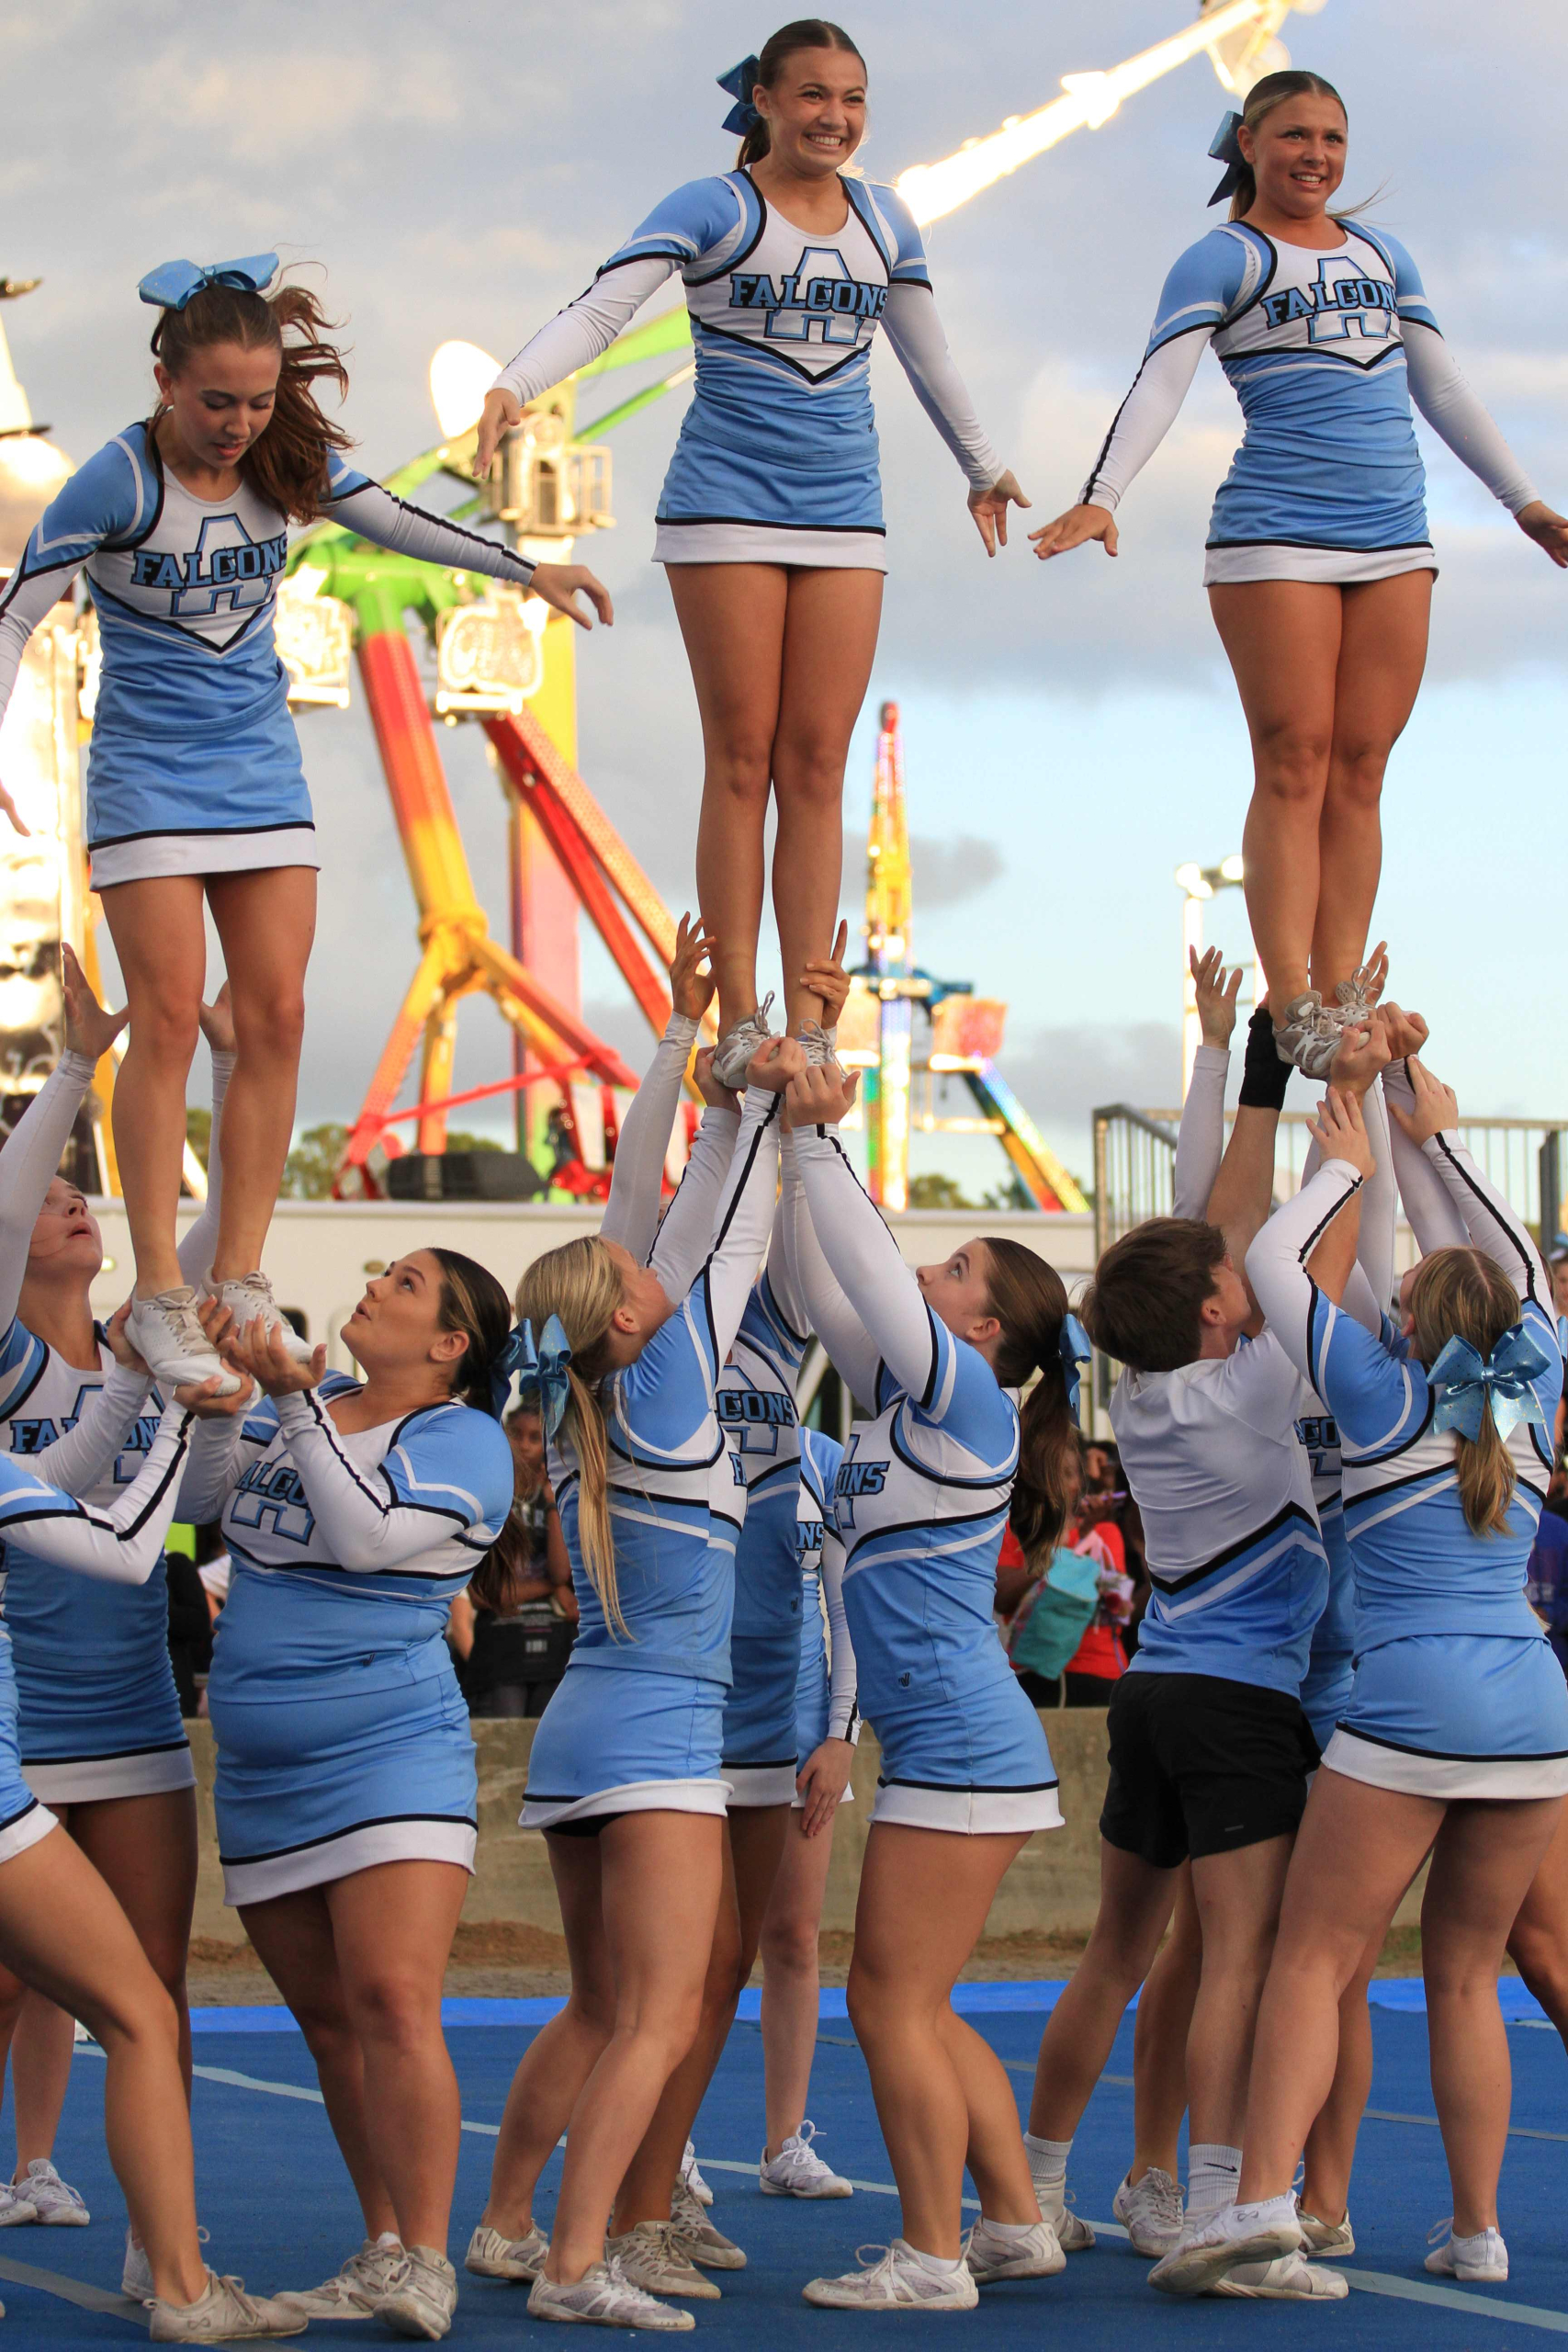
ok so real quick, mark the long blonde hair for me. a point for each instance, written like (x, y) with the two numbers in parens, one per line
(582, 1284)
(1457, 1293)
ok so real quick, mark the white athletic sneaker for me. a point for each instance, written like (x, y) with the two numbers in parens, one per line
(1309, 1033)
(693, 2178)
(1150, 2210)
(1483, 2258)
(421, 2295)
(136, 2276)
(1234, 2236)
(1327, 2241)
(696, 2236)
(732, 1056)
(250, 1300)
(650, 2255)
(1289, 2279)
(820, 1045)
(224, 2314)
(15, 2209)
(605, 2297)
(991, 2256)
(172, 1344)
(491, 2256)
(798, 2171)
(55, 2202)
(1074, 2234)
(354, 2291)
(896, 2281)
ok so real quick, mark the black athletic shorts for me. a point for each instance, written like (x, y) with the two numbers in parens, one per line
(1199, 1765)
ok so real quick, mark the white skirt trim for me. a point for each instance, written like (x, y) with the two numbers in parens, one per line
(145, 857)
(757, 1784)
(26, 1830)
(1224, 566)
(724, 542)
(329, 1859)
(632, 1796)
(88, 1780)
(1412, 1774)
(968, 1813)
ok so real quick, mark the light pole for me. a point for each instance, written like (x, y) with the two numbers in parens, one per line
(1197, 883)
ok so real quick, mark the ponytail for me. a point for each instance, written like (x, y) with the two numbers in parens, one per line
(1457, 1293)
(580, 1282)
(286, 463)
(805, 32)
(1030, 1301)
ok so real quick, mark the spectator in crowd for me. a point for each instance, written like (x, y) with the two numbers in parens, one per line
(1063, 1615)
(512, 1630)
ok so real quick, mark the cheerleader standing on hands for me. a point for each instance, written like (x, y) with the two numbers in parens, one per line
(1319, 566)
(195, 788)
(769, 522)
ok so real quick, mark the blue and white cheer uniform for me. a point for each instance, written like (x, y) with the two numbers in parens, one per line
(194, 763)
(1324, 351)
(123, 1545)
(343, 1737)
(1457, 1692)
(98, 1711)
(636, 1722)
(919, 1504)
(827, 1701)
(777, 460)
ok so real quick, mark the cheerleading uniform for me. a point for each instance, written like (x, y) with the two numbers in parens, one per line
(99, 1713)
(122, 1544)
(636, 1725)
(1326, 1686)
(1324, 351)
(343, 1737)
(194, 763)
(919, 1503)
(1457, 1692)
(777, 460)
(826, 1704)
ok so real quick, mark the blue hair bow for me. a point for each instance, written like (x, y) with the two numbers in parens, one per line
(1076, 1349)
(541, 1370)
(171, 286)
(1225, 148)
(1467, 1384)
(739, 82)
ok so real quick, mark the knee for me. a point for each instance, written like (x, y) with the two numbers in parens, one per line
(872, 2005)
(790, 1945)
(1293, 765)
(142, 2013)
(269, 1024)
(1356, 774)
(165, 1024)
(811, 771)
(395, 2011)
(740, 769)
(592, 2009)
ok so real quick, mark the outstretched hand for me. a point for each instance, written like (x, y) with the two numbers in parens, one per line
(716, 1096)
(989, 508)
(89, 1029)
(1407, 1032)
(1361, 1054)
(826, 978)
(1341, 1131)
(559, 584)
(502, 411)
(258, 1351)
(1073, 528)
(821, 1095)
(1215, 994)
(775, 1063)
(217, 1023)
(1549, 529)
(1437, 1106)
(692, 985)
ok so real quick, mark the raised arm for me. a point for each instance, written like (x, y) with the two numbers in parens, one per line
(1489, 1222)
(637, 1178)
(1433, 1217)
(443, 1478)
(815, 1288)
(120, 1545)
(685, 1237)
(745, 1212)
(865, 1260)
(1200, 1140)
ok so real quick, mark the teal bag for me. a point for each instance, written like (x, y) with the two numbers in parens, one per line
(1059, 1615)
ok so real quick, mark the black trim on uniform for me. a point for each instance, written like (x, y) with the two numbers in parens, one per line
(1282, 1516)
(352, 1829)
(762, 522)
(1453, 1755)
(972, 1788)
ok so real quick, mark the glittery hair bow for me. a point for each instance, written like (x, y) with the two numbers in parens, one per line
(1075, 1349)
(1225, 148)
(739, 82)
(1466, 1384)
(540, 1370)
(171, 286)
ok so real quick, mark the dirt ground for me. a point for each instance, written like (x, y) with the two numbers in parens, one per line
(503, 1960)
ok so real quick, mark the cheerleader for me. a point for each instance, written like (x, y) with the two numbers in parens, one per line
(102, 1741)
(770, 522)
(919, 1502)
(1319, 566)
(194, 790)
(1455, 1739)
(345, 1795)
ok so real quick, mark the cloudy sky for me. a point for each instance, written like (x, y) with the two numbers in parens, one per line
(1071, 732)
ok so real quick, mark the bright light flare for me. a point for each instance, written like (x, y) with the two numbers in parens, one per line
(932, 191)
(460, 376)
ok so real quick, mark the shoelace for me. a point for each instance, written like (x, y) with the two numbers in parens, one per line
(616, 2281)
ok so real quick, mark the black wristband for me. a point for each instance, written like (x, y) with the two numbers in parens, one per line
(1264, 1077)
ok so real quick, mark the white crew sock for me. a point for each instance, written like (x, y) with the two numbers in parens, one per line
(1048, 2170)
(1008, 2233)
(938, 2265)
(1213, 2175)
